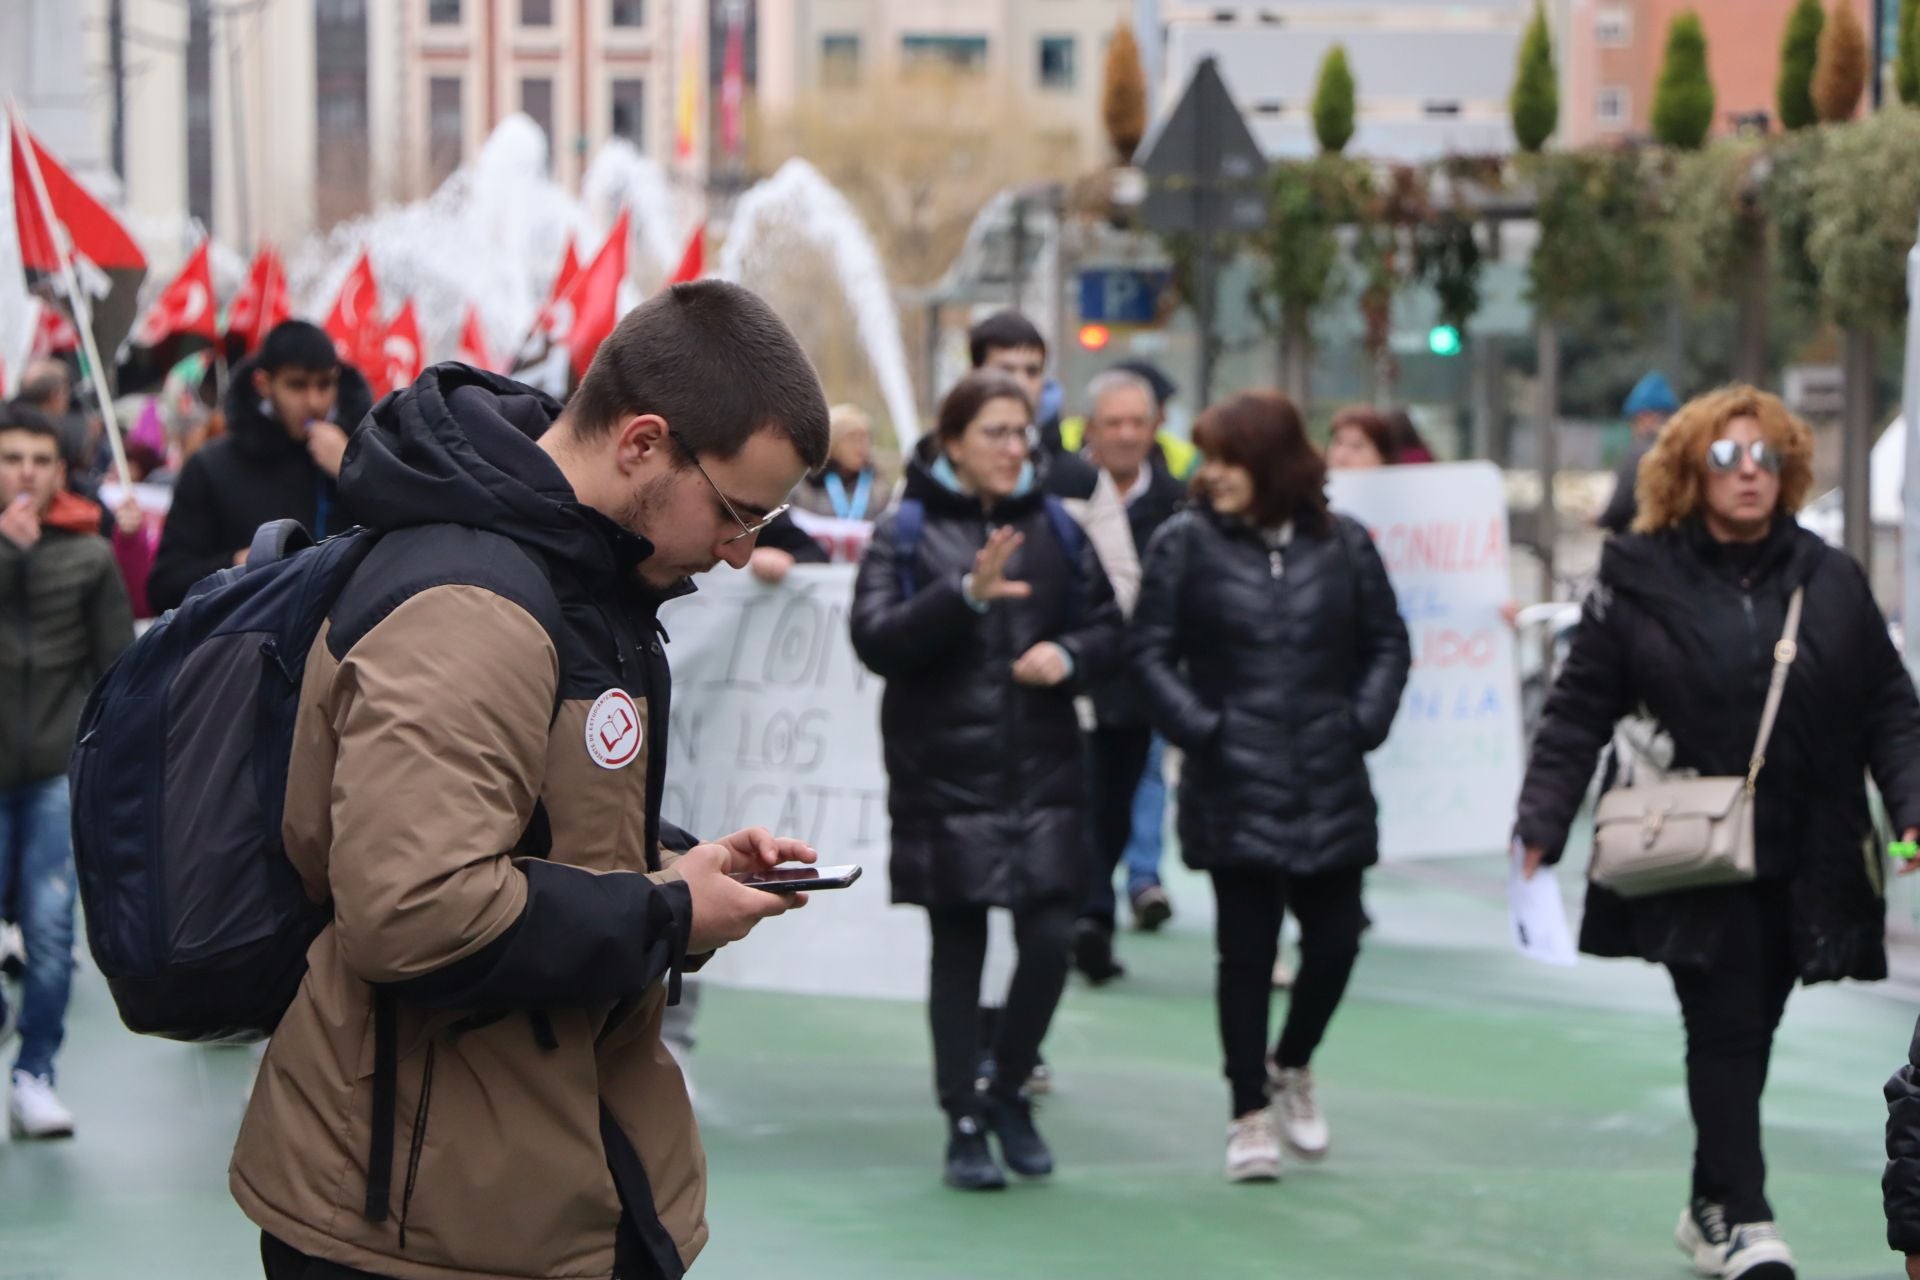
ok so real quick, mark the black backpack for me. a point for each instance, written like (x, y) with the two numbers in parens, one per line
(179, 776)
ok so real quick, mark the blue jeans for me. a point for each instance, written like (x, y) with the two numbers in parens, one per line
(1147, 842)
(36, 870)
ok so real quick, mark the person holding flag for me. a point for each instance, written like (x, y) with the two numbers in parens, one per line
(289, 411)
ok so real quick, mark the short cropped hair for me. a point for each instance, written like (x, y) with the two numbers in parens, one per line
(713, 360)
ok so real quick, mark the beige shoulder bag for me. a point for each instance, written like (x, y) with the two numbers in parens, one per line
(1689, 833)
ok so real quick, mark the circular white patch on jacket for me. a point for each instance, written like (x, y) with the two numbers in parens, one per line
(613, 730)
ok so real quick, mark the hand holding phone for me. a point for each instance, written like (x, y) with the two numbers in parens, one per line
(798, 879)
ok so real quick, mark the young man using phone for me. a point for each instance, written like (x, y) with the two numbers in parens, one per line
(471, 1082)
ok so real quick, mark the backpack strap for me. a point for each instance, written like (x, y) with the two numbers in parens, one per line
(909, 522)
(1073, 544)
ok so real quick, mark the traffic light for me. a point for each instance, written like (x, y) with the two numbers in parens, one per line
(1443, 340)
(1094, 337)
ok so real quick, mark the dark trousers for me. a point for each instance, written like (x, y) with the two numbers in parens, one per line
(1116, 761)
(1248, 911)
(1731, 1009)
(284, 1262)
(1044, 936)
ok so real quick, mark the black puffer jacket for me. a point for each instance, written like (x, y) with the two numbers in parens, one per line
(254, 474)
(1684, 627)
(986, 789)
(1276, 684)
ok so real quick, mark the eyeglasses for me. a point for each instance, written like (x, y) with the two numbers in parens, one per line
(746, 530)
(1002, 436)
(1724, 456)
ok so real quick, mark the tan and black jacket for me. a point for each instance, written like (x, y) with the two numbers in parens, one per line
(471, 1081)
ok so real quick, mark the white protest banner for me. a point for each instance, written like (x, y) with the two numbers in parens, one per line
(1449, 775)
(845, 540)
(775, 723)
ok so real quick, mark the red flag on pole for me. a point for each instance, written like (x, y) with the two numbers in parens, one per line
(397, 361)
(693, 263)
(184, 308)
(262, 302)
(53, 334)
(473, 342)
(586, 314)
(354, 322)
(95, 234)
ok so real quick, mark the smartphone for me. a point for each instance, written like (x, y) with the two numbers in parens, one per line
(798, 878)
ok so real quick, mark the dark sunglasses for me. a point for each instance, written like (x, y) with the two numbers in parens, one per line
(1724, 456)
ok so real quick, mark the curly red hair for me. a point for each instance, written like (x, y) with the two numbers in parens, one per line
(1672, 487)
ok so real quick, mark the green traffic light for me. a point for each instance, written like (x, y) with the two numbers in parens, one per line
(1443, 340)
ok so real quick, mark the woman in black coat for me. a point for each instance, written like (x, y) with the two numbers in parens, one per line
(1682, 627)
(1270, 647)
(984, 609)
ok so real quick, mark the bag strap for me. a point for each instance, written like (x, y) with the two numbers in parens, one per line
(909, 520)
(1784, 653)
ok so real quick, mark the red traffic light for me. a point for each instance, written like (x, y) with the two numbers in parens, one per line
(1095, 337)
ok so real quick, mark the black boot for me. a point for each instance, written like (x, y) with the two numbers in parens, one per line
(1021, 1146)
(970, 1165)
(1093, 952)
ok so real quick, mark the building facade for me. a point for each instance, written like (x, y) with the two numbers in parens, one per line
(1611, 52)
(1050, 54)
(1432, 76)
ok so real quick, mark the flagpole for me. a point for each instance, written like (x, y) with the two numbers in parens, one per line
(82, 313)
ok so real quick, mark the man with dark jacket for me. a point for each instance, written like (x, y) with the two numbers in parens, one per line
(1122, 412)
(1648, 406)
(289, 412)
(470, 1084)
(64, 618)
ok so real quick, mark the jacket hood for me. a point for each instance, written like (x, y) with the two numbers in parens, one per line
(930, 480)
(458, 447)
(259, 434)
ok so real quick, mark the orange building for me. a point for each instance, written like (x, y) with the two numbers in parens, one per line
(1612, 50)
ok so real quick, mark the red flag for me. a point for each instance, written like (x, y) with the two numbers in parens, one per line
(354, 322)
(53, 333)
(95, 233)
(585, 315)
(397, 360)
(184, 308)
(569, 268)
(262, 301)
(693, 263)
(473, 342)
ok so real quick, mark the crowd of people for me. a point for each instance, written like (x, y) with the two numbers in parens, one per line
(1054, 604)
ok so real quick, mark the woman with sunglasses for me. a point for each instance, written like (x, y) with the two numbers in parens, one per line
(985, 610)
(1682, 628)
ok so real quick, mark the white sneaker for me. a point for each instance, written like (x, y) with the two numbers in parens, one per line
(1253, 1149)
(1301, 1124)
(1756, 1251)
(1702, 1236)
(36, 1111)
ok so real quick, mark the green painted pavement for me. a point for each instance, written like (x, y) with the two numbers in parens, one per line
(1492, 1118)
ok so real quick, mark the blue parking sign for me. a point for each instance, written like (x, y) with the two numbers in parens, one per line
(1122, 295)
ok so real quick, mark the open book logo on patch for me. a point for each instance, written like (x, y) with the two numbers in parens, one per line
(613, 730)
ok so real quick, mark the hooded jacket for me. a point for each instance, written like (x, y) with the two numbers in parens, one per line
(1276, 669)
(478, 797)
(64, 618)
(985, 785)
(1683, 628)
(254, 474)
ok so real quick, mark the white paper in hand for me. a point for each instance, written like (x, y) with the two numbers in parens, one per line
(1538, 915)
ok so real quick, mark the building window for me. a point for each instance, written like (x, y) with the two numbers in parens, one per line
(443, 13)
(1440, 110)
(536, 13)
(628, 13)
(1610, 108)
(629, 99)
(446, 126)
(839, 61)
(536, 99)
(966, 54)
(340, 107)
(1613, 28)
(1056, 62)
